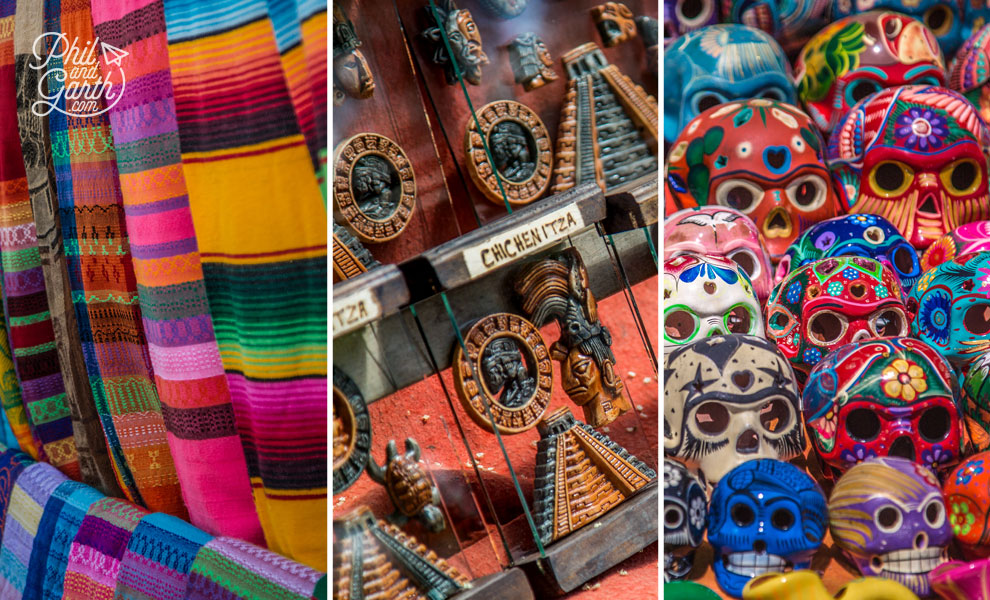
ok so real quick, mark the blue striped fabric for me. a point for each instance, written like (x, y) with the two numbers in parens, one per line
(75, 499)
(156, 564)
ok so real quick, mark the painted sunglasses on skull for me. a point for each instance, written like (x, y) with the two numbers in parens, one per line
(765, 515)
(967, 496)
(965, 239)
(830, 303)
(760, 157)
(685, 503)
(887, 514)
(705, 296)
(723, 233)
(729, 399)
(889, 397)
(915, 155)
(951, 304)
(868, 236)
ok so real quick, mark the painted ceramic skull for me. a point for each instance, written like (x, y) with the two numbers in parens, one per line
(705, 296)
(868, 236)
(968, 73)
(976, 403)
(790, 22)
(760, 157)
(722, 232)
(917, 157)
(967, 496)
(831, 303)
(951, 304)
(685, 502)
(682, 16)
(943, 17)
(888, 516)
(765, 515)
(718, 64)
(889, 397)
(727, 400)
(965, 239)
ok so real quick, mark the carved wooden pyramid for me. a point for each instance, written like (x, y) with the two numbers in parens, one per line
(581, 474)
(608, 125)
(373, 559)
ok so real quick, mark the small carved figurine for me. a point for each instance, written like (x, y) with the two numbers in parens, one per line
(506, 9)
(410, 489)
(465, 41)
(649, 32)
(351, 73)
(558, 288)
(615, 23)
(531, 62)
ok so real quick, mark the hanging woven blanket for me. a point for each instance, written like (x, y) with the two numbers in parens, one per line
(156, 564)
(230, 569)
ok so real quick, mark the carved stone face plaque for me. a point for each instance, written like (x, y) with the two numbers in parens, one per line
(615, 23)
(351, 432)
(509, 364)
(531, 61)
(520, 147)
(465, 41)
(374, 187)
(352, 76)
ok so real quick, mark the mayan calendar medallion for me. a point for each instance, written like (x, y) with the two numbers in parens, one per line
(351, 432)
(508, 364)
(520, 148)
(374, 187)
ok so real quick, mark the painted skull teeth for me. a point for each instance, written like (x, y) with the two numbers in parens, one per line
(915, 562)
(751, 564)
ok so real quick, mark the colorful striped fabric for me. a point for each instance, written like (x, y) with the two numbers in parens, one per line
(104, 288)
(10, 393)
(94, 559)
(188, 371)
(227, 569)
(25, 302)
(156, 563)
(27, 503)
(12, 462)
(262, 231)
(64, 513)
(7, 437)
(313, 18)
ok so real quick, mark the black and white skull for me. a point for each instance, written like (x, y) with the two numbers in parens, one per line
(685, 504)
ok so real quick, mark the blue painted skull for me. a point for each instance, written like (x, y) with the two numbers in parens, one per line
(944, 17)
(685, 503)
(869, 236)
(765, 516)
(719, 63)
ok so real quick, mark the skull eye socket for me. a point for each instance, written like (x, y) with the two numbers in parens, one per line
(711, 418)
(739, 319)
(693, 13)
(746, 261)
(808, 193)
(778, 322)
(935, 513)
(673, 517)
(857, 90)
(934, 424)
(904, 261)
(826, 327)
(889, 323)
(977, 319)
(888, 518)
(775, 415)
(738, 194)
(707, 100)
(862, 424)
(891, 178)
(939, 19)
(961, 177)
(782, 519)
(680, 324)
(742, 514)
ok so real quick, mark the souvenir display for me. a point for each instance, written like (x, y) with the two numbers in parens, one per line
(831, 303)
(351, 74)
(887, 514)
(944, 19)
(957, 580)
(718, 64)
(450, 25)
(706, 296)
(728, 400)
(807, 585)
(409, 487)
(532, 65)
(967, 496)
(887, 397)
(976, 403)
(615, 23)
(723, 233)
(765, 516)
(608, 125)
(951, 304)
(374, 188)
(685, 504)
(861, 54)
(556, 289)
(682, 16)
(965, 239)
(761, 157)
(915, 155)
(351, 432)
(521, 157)
(968, 72)
(350, 257)
(790, 22)
(868, 236)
